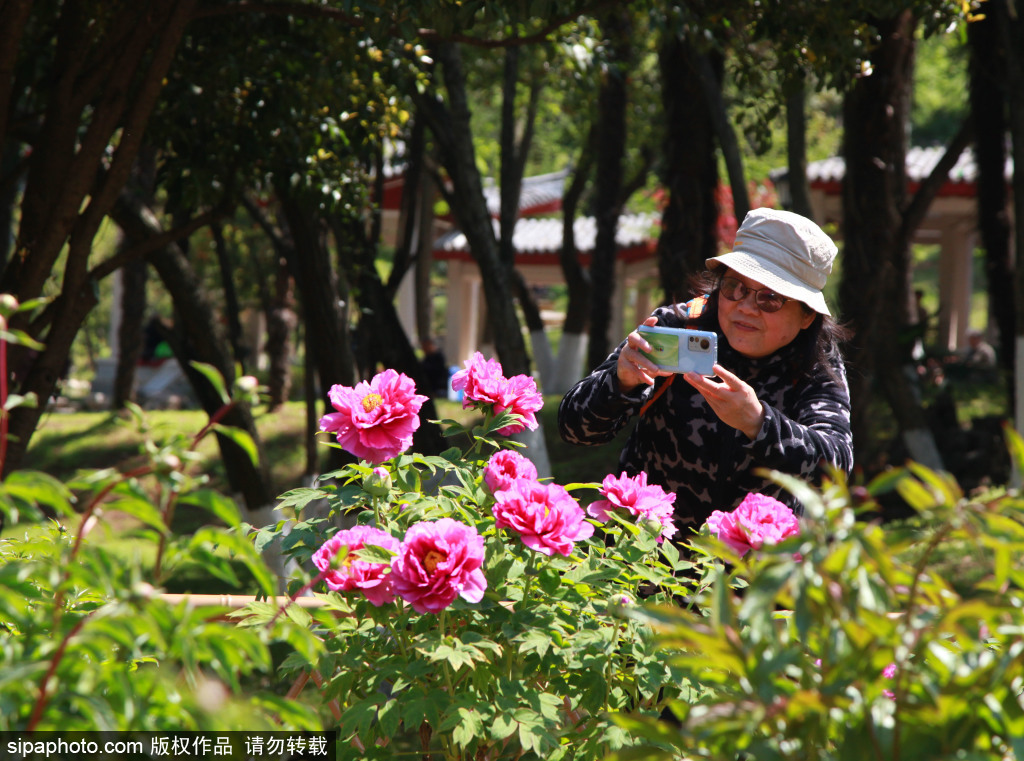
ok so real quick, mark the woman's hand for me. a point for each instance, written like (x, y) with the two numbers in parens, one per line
(633, 367)
(735, 402)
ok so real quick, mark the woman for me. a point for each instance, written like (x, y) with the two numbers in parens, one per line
(779, 398)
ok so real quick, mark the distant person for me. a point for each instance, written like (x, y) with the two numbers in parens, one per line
(979, 358)
(155, 348)
(435, 367)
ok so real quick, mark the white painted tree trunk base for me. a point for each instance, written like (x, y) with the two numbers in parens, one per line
(542, 357)
(536, 449)
(920, 444)
(572, 352)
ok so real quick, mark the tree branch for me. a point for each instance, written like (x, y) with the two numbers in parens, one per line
(914, 213)
(304, 10)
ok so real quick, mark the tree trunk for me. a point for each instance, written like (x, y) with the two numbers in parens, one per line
(988, 111)
(709, 73)
(796, 146)
(875, 290)
(309, 261)
(612, 101)
(451, 128)
(197, 338)
(689, 220)
(9, 175)
(109, 83)
(281, 323)
(130, 332)
(381, 333)
(1011, 27)
(232, 309)
(424, 258)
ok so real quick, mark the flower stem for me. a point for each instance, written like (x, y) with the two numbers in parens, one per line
(531, 568)
(292, 598)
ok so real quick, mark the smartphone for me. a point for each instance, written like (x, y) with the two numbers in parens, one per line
(681, 350)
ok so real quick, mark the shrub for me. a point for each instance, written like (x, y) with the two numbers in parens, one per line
(480, 616)
(848, 642)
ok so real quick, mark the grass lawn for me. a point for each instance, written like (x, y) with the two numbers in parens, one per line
(69, 442)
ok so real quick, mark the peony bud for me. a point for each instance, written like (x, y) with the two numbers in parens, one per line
(653, 526)
(247, 384)
(8, 304)
(377, 483)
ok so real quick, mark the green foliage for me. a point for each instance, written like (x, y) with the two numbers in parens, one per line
(87, 642)
(849, 641)
(536, 667)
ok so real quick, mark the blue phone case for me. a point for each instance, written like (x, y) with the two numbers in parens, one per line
(681, 350)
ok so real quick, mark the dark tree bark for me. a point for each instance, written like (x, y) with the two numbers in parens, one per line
(197, 337)
(688, 234)
(325, 300)
(875, 290)
(612, 102)
(130, 332)
(988, 112)
(10, 172)
(796, 146)
(709, 73)
(310, 264)
(380, 332)
(232, 310)
(577, 279)
(451, 128)
(1011, 30)
(75, 174)
(281, 324)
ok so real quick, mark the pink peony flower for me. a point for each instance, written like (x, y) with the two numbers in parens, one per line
(437, 562)
(505, 467)
(758, 520)
(482, 382)
(521, 397)
(375, 421)
(640, 499)
(545, 516)
(372, 579)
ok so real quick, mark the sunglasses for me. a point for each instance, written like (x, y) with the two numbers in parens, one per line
(766, 300)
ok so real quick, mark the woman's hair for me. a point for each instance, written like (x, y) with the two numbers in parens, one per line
(816, 345)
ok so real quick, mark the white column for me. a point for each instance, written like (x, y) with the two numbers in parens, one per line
(406, 305)
(955, 283)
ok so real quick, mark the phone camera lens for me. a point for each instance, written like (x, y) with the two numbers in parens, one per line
(705, 344)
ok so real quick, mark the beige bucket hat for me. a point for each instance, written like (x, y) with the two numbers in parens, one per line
(783, 251)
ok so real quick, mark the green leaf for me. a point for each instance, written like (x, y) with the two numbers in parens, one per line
(38, 488)
(242, 439)
(371, 553)
(216, 504)
(299, 498)
(390, 718)
(212, 374)
(138, 507)
(550, 579)
(21, 338)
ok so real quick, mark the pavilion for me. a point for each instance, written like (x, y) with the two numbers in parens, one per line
(951, 223)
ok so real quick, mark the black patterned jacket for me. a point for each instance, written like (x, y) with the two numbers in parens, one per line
(683, 446)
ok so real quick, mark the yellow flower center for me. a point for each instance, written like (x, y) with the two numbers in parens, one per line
(432, 559)
(372, 402)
